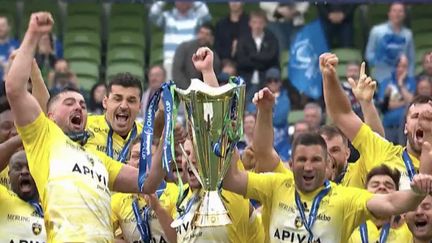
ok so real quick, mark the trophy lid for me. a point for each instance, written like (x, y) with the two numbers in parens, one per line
(199, 86)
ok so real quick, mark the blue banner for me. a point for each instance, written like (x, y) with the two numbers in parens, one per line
(303, 67)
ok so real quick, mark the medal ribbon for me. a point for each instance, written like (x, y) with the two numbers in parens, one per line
(125, 151)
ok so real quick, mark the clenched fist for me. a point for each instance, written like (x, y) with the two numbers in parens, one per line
(40, 23)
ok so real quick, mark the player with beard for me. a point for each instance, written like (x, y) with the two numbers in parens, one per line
(58, 164)
(382, 180)
(21, 215)
(306, 207)
(113, 132)
(374, 149)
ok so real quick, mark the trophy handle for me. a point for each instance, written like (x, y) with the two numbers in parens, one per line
(191, 165)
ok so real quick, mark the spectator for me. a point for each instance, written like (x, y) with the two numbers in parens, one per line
(156, 76)
(45, 55)
(313, 115)
(229, 29)
(394, 94)
(179, 24)
(97, 94)
(352, 71)
(424, 86)
(256, 53)
(284, 19)
(248, 131)
(387, 42)
(229, 69)
(281, 110)
(7, 44)
(62, 77)
(183, 69)
(427, 67)
(337, 21)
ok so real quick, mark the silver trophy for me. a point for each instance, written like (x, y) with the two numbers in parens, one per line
(215, 121)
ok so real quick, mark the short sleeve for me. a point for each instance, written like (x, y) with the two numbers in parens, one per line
(37, 139)
(355, 207)
(372, 147)
(260, 186)
(113, 168)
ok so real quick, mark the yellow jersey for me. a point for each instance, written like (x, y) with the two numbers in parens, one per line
(238, 210)
(123, 216)
(395, 235)
(19, 220)
(355, 176)
(4, 177)
(73, 184)
(340, 211)
(256, 230)
(375, 150)
(98, 130)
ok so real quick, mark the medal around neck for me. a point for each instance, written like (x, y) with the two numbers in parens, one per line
(215, 121)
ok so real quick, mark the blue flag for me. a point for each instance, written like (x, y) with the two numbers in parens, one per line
(303, 67)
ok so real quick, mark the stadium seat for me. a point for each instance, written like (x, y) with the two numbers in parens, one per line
(377, 13)
(83, 22)
(31, 6)
(83, 53)
(423, 40)
(85, 68)
(295, 116)
(126, 54)
(82, 38)
(421, 25)
(122, 67)
(125, 38)
(128, 9)
(421, 10)
(87, 73)
(80, 8)
(133, 23)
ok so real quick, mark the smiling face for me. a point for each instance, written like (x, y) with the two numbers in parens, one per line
(420, 221)
(122, 107)
(68, 110)
(309, 166)
(22, 182)
(338, 150)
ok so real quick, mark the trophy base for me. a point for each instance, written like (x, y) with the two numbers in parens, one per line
(212, 211)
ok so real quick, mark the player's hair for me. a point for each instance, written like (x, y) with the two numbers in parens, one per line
(258, 14)
(384, 170)
(54, 98)
(126, 80)
(208, 26)
(419, 99)
(309, 139)
(332, 131)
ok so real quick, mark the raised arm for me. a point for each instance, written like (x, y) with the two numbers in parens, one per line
(39, 89)
(24, 106)
(396, 203)
(337, 103)
(203, 62)
(266, 156)
(235, 180)
(364, 93)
